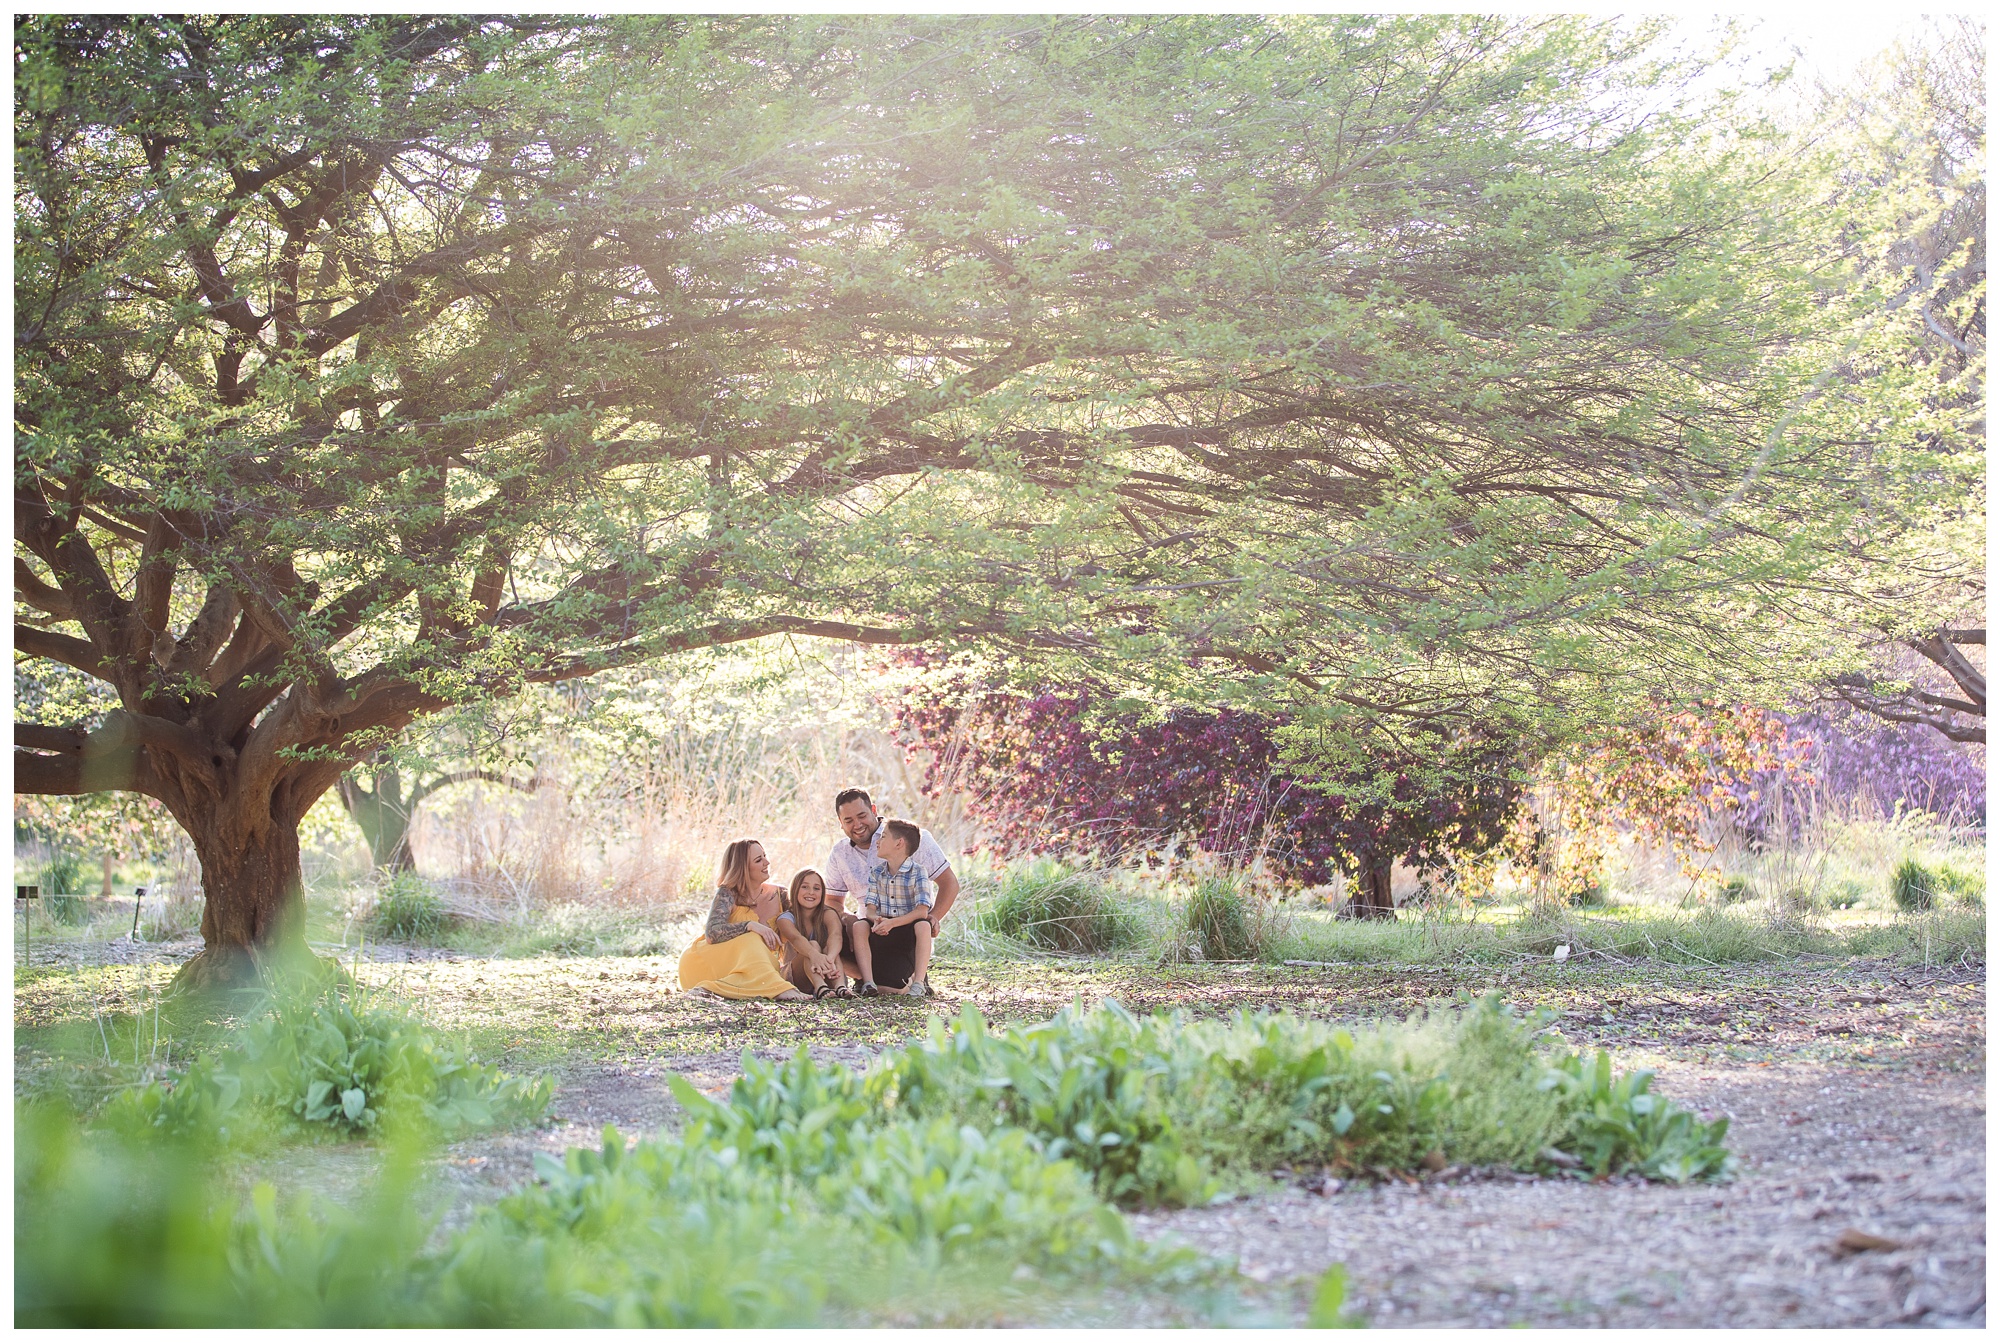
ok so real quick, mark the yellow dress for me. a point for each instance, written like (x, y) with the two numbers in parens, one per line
(742, 967)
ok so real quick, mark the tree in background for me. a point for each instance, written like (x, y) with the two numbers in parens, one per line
(1072, 769)
(1914, 189)
(383, 803)
(1424, 367)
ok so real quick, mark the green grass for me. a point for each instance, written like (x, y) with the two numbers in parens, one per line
(413, 911)
(1939, 937)
(578, 930)
(1917, 889)
(408, 910)
(1713, 936)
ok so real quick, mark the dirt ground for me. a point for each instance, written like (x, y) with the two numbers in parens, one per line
(1826, 1151)
(1856, 1093)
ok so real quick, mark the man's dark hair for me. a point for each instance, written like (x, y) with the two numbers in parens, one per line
(847, 795)
(906, 831)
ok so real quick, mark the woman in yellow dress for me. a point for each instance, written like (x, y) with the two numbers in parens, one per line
(737, 955)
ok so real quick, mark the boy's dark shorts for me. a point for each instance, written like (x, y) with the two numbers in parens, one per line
(894, 956)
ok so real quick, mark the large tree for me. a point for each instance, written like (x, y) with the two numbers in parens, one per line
(1913, 186)
(370, 365)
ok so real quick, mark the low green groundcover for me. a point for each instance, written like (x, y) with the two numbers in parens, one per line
(970, 1176)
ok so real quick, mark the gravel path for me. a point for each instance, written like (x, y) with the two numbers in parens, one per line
(1825, 1151)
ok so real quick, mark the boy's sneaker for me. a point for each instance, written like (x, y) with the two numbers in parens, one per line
(868, 989)
(916, 989)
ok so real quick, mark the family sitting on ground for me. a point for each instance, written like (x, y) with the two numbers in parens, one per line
(803, 943)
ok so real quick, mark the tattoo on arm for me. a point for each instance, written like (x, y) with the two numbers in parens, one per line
(720, 929)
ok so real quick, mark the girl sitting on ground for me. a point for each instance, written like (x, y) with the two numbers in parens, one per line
(811, 931)
(737, 955)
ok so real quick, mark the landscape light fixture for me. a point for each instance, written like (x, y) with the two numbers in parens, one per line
(24, 894)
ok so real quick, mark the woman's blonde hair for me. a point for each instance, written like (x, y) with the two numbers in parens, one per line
(798, 915)
(735, 876)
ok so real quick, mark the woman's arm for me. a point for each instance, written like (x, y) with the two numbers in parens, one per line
(720, 929)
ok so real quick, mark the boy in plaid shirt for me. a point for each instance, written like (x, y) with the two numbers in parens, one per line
(892, 943)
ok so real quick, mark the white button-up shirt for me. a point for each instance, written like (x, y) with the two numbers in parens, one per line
(847, 867)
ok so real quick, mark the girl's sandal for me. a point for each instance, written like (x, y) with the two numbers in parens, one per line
(823, 991)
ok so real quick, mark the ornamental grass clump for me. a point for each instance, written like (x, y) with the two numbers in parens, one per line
(62, 882)
(408, 910)
(1968, 884)
(1219, 921)
(1913, 887)
(1048, 906)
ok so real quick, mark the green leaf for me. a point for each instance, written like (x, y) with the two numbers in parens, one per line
(1328, 1300)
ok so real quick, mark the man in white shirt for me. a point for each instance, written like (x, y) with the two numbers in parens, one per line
(847, 867)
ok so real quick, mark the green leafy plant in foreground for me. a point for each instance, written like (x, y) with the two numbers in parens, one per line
(335, 1060)
(1618, 1121)
(120, 1228)
(1164, 1110)
(947, 1173)
(702, 1230)
(1330, 1300)
(1087, 1085)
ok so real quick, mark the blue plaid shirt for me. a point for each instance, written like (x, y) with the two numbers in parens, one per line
(894, 894)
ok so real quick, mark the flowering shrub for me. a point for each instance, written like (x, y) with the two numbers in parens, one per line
(1072, 770)
(1670, 779)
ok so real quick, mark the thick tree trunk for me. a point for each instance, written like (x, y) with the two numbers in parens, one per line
(253, 911)
(1372, 898)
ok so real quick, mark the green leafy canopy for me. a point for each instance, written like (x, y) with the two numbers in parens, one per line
(1420, 366)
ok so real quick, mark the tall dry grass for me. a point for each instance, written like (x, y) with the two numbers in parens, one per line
(648, 833)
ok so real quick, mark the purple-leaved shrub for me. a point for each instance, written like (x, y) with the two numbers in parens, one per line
(1858, 763)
